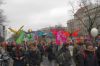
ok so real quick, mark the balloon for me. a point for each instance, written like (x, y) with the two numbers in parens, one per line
(94, 32)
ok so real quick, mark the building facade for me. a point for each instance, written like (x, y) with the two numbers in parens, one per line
(82, 19)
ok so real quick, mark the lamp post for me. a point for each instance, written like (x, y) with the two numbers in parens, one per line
(2, 32)
(94, 33)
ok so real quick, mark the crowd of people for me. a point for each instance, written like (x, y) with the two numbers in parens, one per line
(32, 53)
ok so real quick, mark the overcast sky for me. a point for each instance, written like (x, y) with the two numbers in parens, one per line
(36, 14)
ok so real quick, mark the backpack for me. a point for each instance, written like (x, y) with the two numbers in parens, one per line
(61, 58)
(5, 56)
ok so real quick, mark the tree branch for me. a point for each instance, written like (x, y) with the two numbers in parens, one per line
(79, 18)
(87, 12)
(96, 13)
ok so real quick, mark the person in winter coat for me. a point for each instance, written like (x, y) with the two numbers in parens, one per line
(34, 56)
(18, 57)
(90, 58)
(64, 56)
(98, 53)
(4, 57)
(78, 54)
(41, 49)
(10, 49)
(52, 49)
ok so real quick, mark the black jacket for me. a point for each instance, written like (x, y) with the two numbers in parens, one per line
(34, 57)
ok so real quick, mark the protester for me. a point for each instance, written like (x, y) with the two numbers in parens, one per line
(78, 54)
(41, 49)
(34, 56)
(90, 58)
(98, 53)
(4, 56)
(52, 50)
(18, 57)
(64, 56)
(26, 52)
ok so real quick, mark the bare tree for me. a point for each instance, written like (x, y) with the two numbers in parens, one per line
(89, 11)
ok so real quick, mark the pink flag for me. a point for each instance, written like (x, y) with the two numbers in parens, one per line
(63, 37)
(58, 38)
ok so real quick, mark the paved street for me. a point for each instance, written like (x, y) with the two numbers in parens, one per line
(47, 63)
(44, 63)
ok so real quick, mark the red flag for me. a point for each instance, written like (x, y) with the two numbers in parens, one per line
(54, 31)
(75, 34)
(67, 34)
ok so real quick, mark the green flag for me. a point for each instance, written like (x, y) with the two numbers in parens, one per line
(30, 37)
(20, 39)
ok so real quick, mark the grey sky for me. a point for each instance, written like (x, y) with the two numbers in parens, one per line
(36, 14)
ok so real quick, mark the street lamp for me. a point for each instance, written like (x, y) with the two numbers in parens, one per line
(2, 31)
(94, 33)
